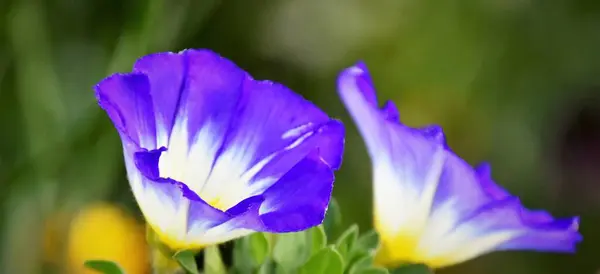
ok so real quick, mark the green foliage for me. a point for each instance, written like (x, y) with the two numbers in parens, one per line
(362, 252)
(333, 218)
(252, 252)
(317, 239)
(369, 241)
(213, 264)
(326, 261)
(106, 267)
(259, 247)
(187, 261)
(291, 250)
(346, 241)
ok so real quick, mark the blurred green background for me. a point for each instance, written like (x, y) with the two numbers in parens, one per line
(514, 82)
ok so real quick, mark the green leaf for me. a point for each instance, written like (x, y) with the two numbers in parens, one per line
(361, 260)
(368, 242)
(290, 250)
(326, 261)
(213, 264)
(333, 218)
(250, 252)
(186, 260)
(281, 270)
(346, 241)
(412, 269)
(317, 239)
(363, 252)
(373, 270)
(259, 247)
(106, 267)
(265, 268)
(242, 261)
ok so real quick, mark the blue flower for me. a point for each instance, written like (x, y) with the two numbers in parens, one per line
(432, 207)
(212, 154)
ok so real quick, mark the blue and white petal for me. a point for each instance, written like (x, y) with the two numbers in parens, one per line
(432, 207)
(210, 152)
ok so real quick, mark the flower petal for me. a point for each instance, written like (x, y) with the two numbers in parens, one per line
(273, 130)
(180, 208)
(170, 207)
(503, 225)
(207, 96)
(300, 198)
(167, 74)
(127, 101)
(391, 111)
(552, 236)
(430, 205)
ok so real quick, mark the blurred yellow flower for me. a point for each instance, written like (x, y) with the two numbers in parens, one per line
(104, 231)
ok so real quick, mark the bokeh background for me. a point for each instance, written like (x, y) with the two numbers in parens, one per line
(513, 82)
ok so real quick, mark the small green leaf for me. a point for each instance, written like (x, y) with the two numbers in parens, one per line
(363, 251)
(290, 250)
(281, 270)
(373, 270)
(186, 260)
(412, 269)
(326, 261)
(346, 241)
(106, 267)
(360, 260)
(265, 268)
(316, 239)
(259, 247)
(213, 264)
(250, 252)
(368, 242)
(333, 218)
(242, 261)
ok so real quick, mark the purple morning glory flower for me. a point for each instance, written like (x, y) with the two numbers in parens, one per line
(212, 154)
(432, 207)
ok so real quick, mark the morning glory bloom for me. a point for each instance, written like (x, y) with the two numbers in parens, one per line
(432, 207)
(212, 154)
